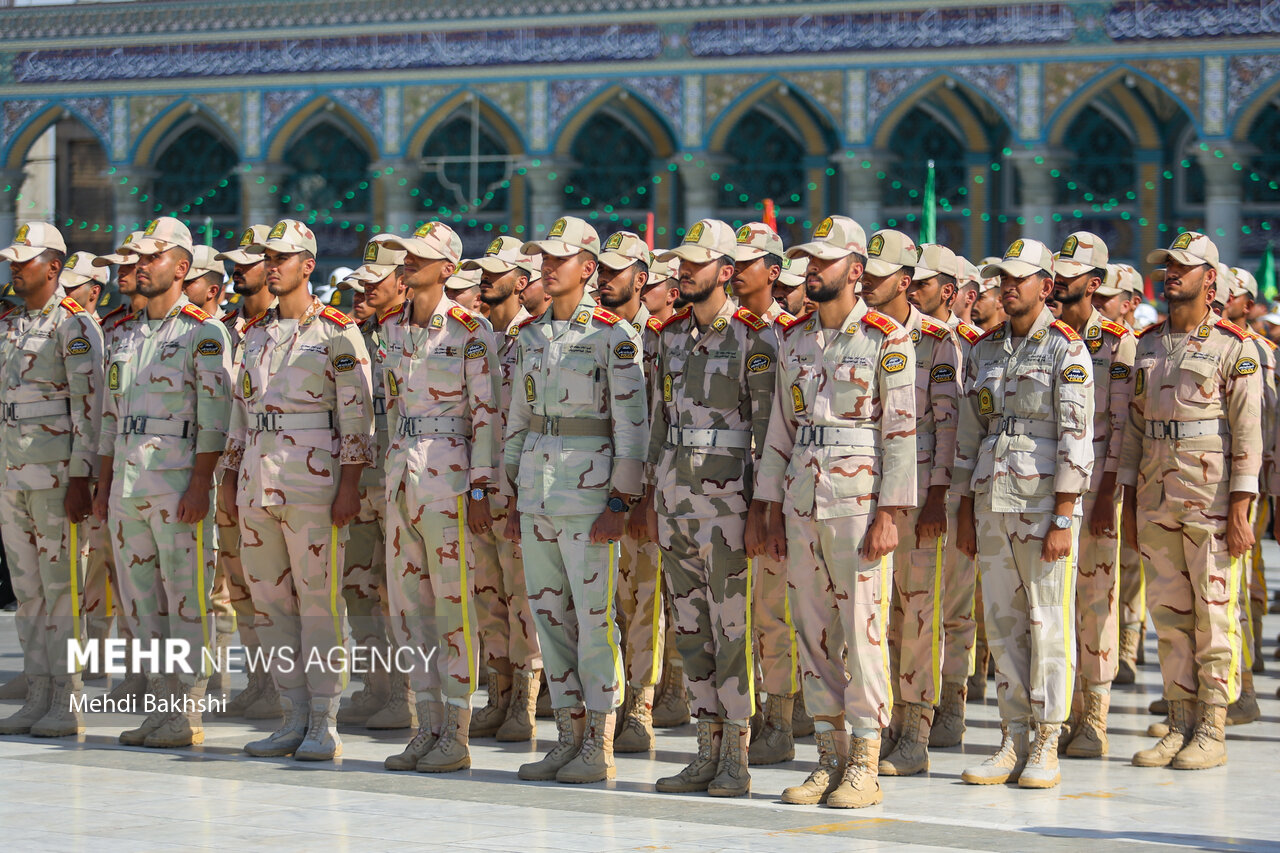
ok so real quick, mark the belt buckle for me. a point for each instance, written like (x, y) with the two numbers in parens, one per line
(137, 424)
(409, 428)
(552, 425)
(1160, 429)
(9, 411)
(266, 422)
(1006, 426)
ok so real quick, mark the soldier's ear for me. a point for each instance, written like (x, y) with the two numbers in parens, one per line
(642, 278)
(308, 266)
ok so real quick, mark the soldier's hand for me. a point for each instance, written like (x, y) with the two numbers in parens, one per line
(756, 537)
(194, 504)
(967, 529)
(78, 503)
(637, 520)
(1057, 544)
(1102, 522)
(776, 544)
(882, 536)
(512, 531)
(609, 527)
(1240, 536)
(1129, 519)
(479, 519)
(101, 495)
(932, 522)
(227, 497)
(346, 506)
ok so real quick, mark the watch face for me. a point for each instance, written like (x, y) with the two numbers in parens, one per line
(616, 504)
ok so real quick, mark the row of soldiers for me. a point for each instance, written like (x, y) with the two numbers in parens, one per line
(532, 475)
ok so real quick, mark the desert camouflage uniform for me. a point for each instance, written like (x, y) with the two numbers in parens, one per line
(1026, 432)
(1253, 586)
(858, 378)
(97, 595)
(303, 408)
(577, 428)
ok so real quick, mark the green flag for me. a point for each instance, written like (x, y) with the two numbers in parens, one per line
(1267, 275)
(929, 218)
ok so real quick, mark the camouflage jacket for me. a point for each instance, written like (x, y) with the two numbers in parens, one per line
(51, 369)
(1111, 349)
(937, 384)
(168, 398)
(374, 476)
(504, 344)
(859, 376)
(1267, 358)
(587, 369)
(719, 378)
(1026, 425)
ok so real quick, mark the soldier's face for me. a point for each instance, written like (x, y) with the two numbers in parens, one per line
(1183, 283)
(1068, 290)
(618, 287)
(986, 307)
(381, 295)
(927, 295)
(698, 281)
(249, 278)
(1111, 307)
(1237, 310)
(469, 298)
(86, 295)
(30, 276)
(361, 310)
(287, 272)
(878, 291)
(498, 287)
(158, 272)
(825, 279)
(425, 272)
(753, 276)
(201, 292)
(563, 276)
(790, 298)
(1021, 296)
(127, 279)
(534, 298)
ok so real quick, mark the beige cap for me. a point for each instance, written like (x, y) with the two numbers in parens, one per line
(463, 279)
(32, 239)
(1021, 259)
(659, 271)
(80, 269)
(793, 271)
(1190, 248)
(835, 237)
(357, 279)
(1224, 284)
(755, 240)
(433, 240)
(204, 261)
(969, 273)
(1115, 283)
(164, 234)
(240, 254)
(889, 251)
(288, 236)
(380, 259)
(705, 241)
(1081, 251)
(568, 236)
(936, 259)
(624, 248)
(126, 253)
(503, 255)
(1245, 283)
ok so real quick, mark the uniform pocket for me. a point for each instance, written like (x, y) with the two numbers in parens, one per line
(722, 383)
(577, 380)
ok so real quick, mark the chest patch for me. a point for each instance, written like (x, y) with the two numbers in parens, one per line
(986, 402)
(113, 376)
(797, 399)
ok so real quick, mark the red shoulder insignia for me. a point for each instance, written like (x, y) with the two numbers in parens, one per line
(126, 318)
(1114, 328)
(929, 327)
(249, 325)
(876, 320)
(969, 333)
(1270, 343)
(113, 312)
(193, 311)
(676, 317)
(750, 319)
(1231, 327)
(524, 323)
(460, 314)
(394, 311)
(333, 315)
(1151, 328)
(71, 305)
(989, 332)
(604, 315)
(230, 317)
(1067, 332)
(654, 324)
(794, 321)
(7, 313)
(783, 318)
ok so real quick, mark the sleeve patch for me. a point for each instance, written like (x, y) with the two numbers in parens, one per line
(78, 346)
(893, 362)
(943, 373)
(476, 349)
(1075, 374)
(209, 346)
(1119, 371)
(1246, 366)
(758, 363)
(625, 351)
(344, 363)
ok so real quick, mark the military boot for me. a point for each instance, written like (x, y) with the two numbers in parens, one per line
(451, 750)
(1244, 709)
(1041, 770)
(521, 723)
(833, 754)
(1159, 706)
(1007, 762)
(219, 682)
(1258, 609)
(776, 741)
(133, 686)
(889, 735)
(322, 742)
(801, 722)
(636, 728)
(1207, 744)
(1129, 641)
(671, 704)
(268, 705)
(911, 755)
(39, 701)
(1090, 739)
(860, 786)
(543, 706)
(64, 718)
(161, 689)
(184, 726)
(697, 775)
(243, 700)
(486, 721)
(398, 712)
(1074, 717)
(293, 728)
(1158, 729)
(430, 721)
(732, 778)
(981, 661)
(15, 688)
(570, 723)
(1180, 724)
(366, 701)
(948, 720)
(594, 761)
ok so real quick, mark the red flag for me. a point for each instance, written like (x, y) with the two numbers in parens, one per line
(770, 218)
(648, 229)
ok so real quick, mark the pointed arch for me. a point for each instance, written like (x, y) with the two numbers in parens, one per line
(172, 122)
(320, 109)
(1245, 115)
(1145, 130)
(33, 127)
(962, 118)
(490, 114)
(811, 121)
(628, 106)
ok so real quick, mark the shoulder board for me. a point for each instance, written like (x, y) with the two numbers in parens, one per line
(249, 325)
(230, 318)
(7, 313)
(929, 327)
(969, 333)
(71, 305)
(1151, 328)
(989, 332)
(333, 315)
(524, 323)
(794, 321)
(460, 314)
(750, 319)
(677, 317)
(1233, 329)
(192, 311)
(653, 324)
(1114, 328)
(392, 312)
(113, 312)
(604, 315)
(783, 318)
(1067, 332)
(876, 320)
(1270, 343)
(126, 318)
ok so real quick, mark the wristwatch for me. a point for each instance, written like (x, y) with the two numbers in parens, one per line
(477, 494)
(616, 504)
(1062, 522)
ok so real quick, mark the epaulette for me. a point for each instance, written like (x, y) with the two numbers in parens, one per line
(526, 322)
(989, 332)
(653, 324)
(1270, 343)
(604, 315)
(1067, 332)
(333, 315)
(7, 313)
(1114, 328)
(249, 325)
(929, 327)
(113, 312)
(195, 311)
(1151, 328)
(230, 318)
(460, 314)
(676, 317)
(794, 321)
(126, 318)
(969, 333)
(1233, 329)
(394, 311)
(784, 318)
(876, 320)
(71, 305)
(750, 319)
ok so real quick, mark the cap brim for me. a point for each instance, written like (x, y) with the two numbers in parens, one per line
(1109, 291)
(374, 272)
(20, 254)
(497, 266)
(1161, 256)
(616, 261)
(1017, 269)
(152, 246)
(72, 280)
(556, 248)
(880, 269)
(197, 273)
(790, 280)
(455, 283)
(119, 259)
(1071, 269)
(748, 253)
(922, 273)
(284, 247)
(238, 256)
(351, 284)
(692, 254)
(821, 251)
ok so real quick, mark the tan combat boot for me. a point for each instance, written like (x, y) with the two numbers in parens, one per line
(1041, 770)
(544, 709)
(671, 703)
(889, 735)
(1128, 672)
(594, 761)
(399, 711)
(801, 721)
(430, 721)
(1008, 761)
(133, 686)
(39, 701)
(1160, 755)
(732, 778)
(635, 732)
(184, 726)
(911, 755)
(451, 750)
(219, 682)
(322, 742)
(15, 688)
(292, 732)
(833, 753)
(366, 701)
(268, 705)
(948, 720)
(1072, 723)
(697, 775)
(981, 663)
(776, 741)
(1159, 706)
(64, 718)
(161, 688)
(242, 701)
(487, 720)
(860, 786)
(1090, 738)
(521, 723)
(1244, 709)
(1207, 744)
(570, 723)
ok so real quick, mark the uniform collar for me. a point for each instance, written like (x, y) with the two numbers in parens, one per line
(850, 325)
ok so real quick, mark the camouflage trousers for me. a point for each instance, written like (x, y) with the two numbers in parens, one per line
(959, 622)
(97, 597)
(504, 620)
(364, 573)
(1097, 603)
(1253, 585)
(840, 603)
(708, 579)
(292, 557)
(1133, 590)
(572, 594)
(429, 580)
(1193, 591)
(37, 547)
(1029, 608)
(915, 619)
(166, 574)
(775, 630)
(233, 605)
(640, 616)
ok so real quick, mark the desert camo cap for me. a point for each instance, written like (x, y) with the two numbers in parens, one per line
(835, 237)
(502, 255)
(624, 248)
(32, 239)
(164, 234)
(125, 254)
(204, 261)
(936, 259)
(567, 236)
(288, 237)
(1023, 258)
(755, 240)
(1081, 251)
(80, 270)
(889, 251)
(240, 254)
(705, 241)
(1190, 248)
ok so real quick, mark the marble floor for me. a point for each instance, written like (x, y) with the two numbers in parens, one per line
(92, 794)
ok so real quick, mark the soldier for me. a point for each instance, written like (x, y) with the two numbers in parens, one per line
(575, 452)
(442, 382)
(987, 312)
(933, 290)
(205, 284)
(464, 289)
(968, 282)
(504, 620)
(164, 425)
(301, 430)
(1023, 457)
(915, 624)
(1081, 276)
(535, 298)
(1190, 463)
(51, 369)
(788, 289)
(839, 465)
